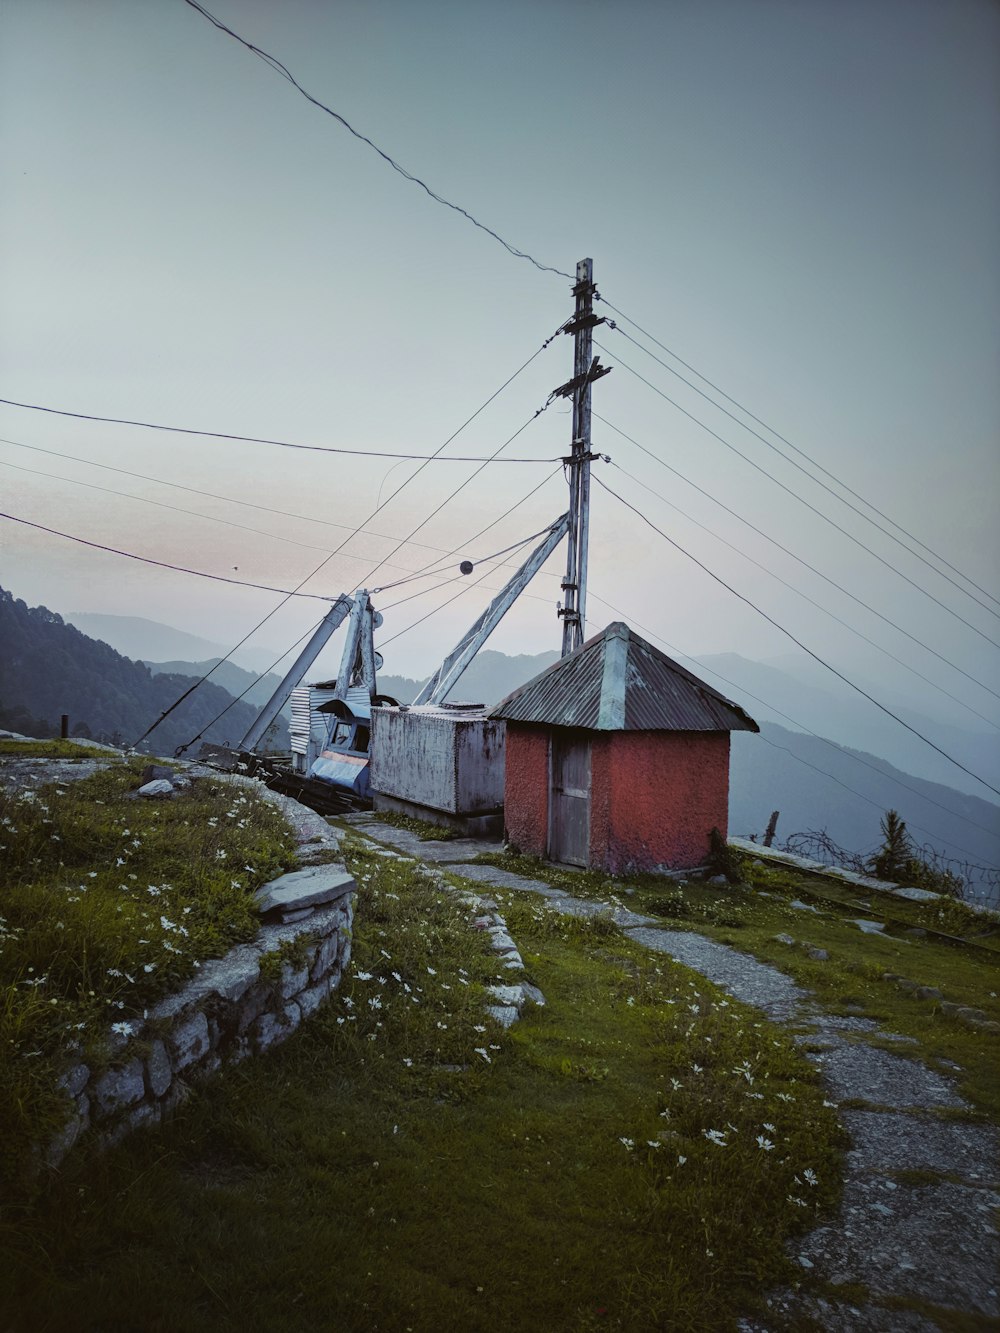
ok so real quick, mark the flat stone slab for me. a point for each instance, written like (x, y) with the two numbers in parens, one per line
(503, 879)
(883, 1142)
(586, 907)
(744, 977)
(858, 1070)
(916, 895)
(440, 852)
(313, 886)
(868, 927)
(936, 1242)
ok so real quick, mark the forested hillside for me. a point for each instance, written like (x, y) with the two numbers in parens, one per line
(49, 668)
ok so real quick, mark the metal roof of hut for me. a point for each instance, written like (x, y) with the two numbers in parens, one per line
(617, 681)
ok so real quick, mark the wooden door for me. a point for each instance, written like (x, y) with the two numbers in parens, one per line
(569, 799)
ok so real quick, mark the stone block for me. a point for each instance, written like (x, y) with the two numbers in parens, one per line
(310, 887)
(252, 1006)
(60, 1144)
(532, 994)
(298, 914)
(159, 790)
(159, 1071)
(272, 1028)
(927, 993)
(74, 1080)
(505, 1015)
(326, 957)
(232, 976)
(189, 1040)
(507, 995)
(144, 1114)
(292, 980)
(119, 1088)
(310, 999)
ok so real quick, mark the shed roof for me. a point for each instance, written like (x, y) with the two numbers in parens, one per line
(618, 682)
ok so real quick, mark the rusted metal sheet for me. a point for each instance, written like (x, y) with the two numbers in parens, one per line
(619, 682)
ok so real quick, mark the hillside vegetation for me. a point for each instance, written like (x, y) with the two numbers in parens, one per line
(49, 668)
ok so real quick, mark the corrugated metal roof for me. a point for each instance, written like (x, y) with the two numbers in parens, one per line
(619, 682)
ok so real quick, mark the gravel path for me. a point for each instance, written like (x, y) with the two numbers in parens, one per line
(930, 1239)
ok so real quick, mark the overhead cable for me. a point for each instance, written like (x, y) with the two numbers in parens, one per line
(800, 559)
(257, 439)
(285, 73)
(811, 600)
(816, 480)
(778, 436)
(209, 495)
(801, 499)
(326, 560)
(853, 755)
(163, 564)
(798, 642)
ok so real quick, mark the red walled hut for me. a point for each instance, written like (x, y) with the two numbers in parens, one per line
(618, 758)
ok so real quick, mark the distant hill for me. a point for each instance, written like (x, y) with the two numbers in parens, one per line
(148, 640)
(230, 677)
(803, 691)
(49, 668)
(778, 770)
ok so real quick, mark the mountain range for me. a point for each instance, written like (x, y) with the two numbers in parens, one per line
(841, 786)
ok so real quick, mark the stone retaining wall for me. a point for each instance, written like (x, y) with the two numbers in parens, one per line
(228, 1011)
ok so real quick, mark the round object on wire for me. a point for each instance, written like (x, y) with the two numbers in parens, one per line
(466, 566)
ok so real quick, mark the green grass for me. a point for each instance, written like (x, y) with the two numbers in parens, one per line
(750, 917)
(403, 1163)
(424, 830)
(54, 749)
(108, 903)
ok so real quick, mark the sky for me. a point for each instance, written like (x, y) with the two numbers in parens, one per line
(799, 200)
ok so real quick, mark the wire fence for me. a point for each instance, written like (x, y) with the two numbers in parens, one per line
(979, 884)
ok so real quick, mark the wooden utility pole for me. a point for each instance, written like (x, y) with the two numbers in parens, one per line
(586, 369)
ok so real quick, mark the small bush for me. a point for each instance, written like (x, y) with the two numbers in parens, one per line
(898, 861)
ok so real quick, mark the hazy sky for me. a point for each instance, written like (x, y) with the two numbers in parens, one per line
(802, 200)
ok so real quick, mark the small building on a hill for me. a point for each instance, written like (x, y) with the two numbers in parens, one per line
(618, 758)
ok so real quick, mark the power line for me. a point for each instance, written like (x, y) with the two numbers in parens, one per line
(812, 601)
(805, 563)
(163, 564)
(428, 571)
(209, 495)
(256, 439)
(448, 498)
(798, 642)
(160, 504)
(789, 491)
(285, 73)
(777, 434)
(326, 560)
(841, 750)
(816, 480)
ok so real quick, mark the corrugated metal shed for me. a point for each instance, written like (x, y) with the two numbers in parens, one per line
(619, 682)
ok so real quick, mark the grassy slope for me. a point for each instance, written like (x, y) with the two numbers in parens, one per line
(852, 978)
(404, 1164)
